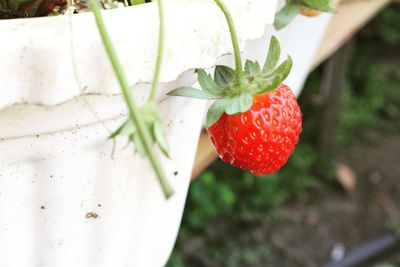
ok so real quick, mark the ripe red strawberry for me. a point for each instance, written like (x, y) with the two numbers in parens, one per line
(255, 121)
(261, 139)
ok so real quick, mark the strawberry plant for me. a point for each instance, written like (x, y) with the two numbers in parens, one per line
(255, 121)
(144, 125)
(309, 8)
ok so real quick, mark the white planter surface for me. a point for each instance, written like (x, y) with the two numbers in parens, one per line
(37, 60)
(67, 198)
(54, 184)
(301, 39)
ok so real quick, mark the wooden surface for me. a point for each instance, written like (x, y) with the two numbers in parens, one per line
(205, 154)
(351, 16)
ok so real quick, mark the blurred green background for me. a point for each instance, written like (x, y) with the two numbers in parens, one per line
(235, 219)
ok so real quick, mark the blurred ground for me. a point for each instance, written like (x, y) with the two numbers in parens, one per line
(305, 232)
(298, 216)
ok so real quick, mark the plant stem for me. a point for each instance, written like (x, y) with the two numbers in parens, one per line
(160, 51)
(140, 125)
(235, 44)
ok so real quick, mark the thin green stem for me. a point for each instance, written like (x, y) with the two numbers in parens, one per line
(140, 125)
(235, 43)
(160, 51)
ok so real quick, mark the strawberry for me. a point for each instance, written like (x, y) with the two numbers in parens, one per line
(309, 12)
(255, 121)
(309, 8)
(261, 139)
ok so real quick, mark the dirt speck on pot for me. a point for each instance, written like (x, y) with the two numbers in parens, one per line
(91, 215)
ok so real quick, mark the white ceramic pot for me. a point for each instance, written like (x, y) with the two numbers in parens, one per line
(69, 196)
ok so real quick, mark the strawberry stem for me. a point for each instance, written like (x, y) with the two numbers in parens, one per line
(142, 130)
(160, 51)
(235, 43)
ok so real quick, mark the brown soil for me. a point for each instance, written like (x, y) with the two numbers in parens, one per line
(42, 8)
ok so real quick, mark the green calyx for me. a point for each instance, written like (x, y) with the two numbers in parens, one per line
(292, 9)
(153, 122)
(235, 96)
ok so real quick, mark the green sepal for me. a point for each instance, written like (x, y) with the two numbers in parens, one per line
(160, 137)
(234, 105)
(284, 69)
(154, 123)
(272, 81)
(139, 148)
(193, 93)
(286, 15)
(252, 68)
(126, 128)
(207, 83)
(274, 52)
(321, 5)
(239, 104)
(215, 112)
(223, 75)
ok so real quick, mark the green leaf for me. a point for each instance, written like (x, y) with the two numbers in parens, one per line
(160, 137)
(321, 5)
(192, 93)
(215, 112)
(207, 83)
(239, 104)
(252, 68)
(223, 75)
(139, 148)
(274, 52)
(286, 15)
(137, 2)
(127, 128)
